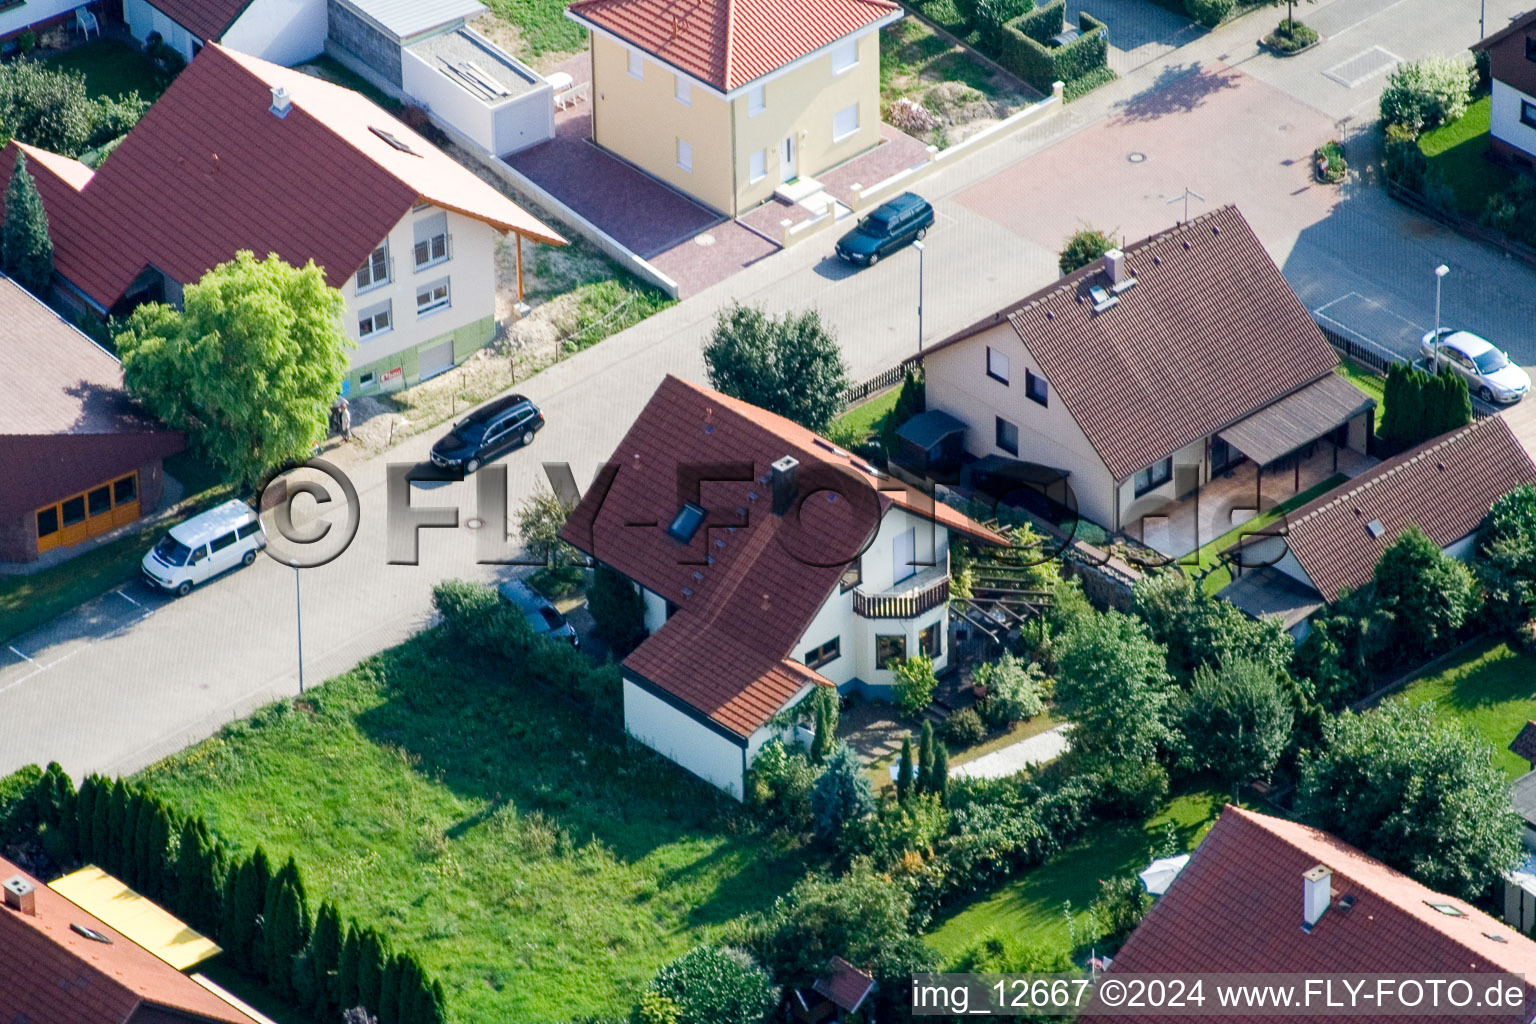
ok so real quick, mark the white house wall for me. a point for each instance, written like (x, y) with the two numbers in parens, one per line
(144, 19)
(502, 129)
(957, 383)
(33, 12)
(1505, 117)
(655, 610)
(681, 738)
(284, 32)
(1188, 464)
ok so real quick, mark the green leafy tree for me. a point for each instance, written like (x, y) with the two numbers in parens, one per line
(540, 518)
(1422, 795)
(1112, 684)
(348, 966)
(1429, 594)
(1198, 629)
(842, 795)
(26, 250)
(371, 959)
(925, 757)
(914, 683)
(789, 365)
(1015, 690)
(1237, 720)
(1119, 907)
(716, 985)
(1506, 557)
(51, 108)
(249, 369)
(1082, 248)
(618, 611)
(904, 770)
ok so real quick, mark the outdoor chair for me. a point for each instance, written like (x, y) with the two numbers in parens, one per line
(87, 23)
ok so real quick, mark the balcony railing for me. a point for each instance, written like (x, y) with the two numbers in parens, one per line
(908, 599)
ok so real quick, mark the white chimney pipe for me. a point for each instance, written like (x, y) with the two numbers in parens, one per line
(282, 101)
(1114, 266)
(20, 895)
(1317, 893)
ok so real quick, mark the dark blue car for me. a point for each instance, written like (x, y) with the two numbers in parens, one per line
(890, 226)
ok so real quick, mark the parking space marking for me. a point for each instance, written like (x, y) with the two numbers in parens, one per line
(1363, 67)
(125, 597)
(23, 657)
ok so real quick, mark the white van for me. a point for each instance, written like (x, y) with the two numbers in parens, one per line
(204, 546)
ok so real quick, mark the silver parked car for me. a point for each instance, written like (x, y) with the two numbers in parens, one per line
(543, 618)
(1489, 373)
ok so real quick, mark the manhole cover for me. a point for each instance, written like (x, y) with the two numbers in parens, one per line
(1285, 127)
(704, 239)
(1136, 158)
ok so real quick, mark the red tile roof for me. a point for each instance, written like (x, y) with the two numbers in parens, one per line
(747, 586)
(50, 974)
(206, 19)
(1519, 23)
(1236, 908)
(728, 43)
(1210, 333)
(1444, 486)
(844, 984)
(210, 171)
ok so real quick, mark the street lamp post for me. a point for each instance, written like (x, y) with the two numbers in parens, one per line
(298, 605)
(919, 247)
(1434, 351)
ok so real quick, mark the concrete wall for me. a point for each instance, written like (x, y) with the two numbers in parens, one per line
(802, 102)
(374, 48)
(501, 129)
(958, 384)
(469, 318)
(284, 32)
(1505, 118)
(680, 738)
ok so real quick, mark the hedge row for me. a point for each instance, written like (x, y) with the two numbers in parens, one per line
(1022, 46)
(260, 917)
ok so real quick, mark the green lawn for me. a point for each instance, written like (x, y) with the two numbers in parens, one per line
(539, 866)
(112, 68)
(868, 418)
(1491, 688)
(1368, 382)
(31, 600)
(542, 24)
(1030, 906)
(1456, 153)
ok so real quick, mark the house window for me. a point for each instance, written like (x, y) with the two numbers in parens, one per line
(997, 365)
(930, 640)
(636, 64)
(757, 168)
(852, 576)
(1154, 475)
(374, 320)
(684, 155)
(757, 101)
(432, 297)
(1007, 436)
(431, 235)
(845, 56)
(1528, 113)
(889, 650)
(125, 490)
(365, 380)
(375, 270)
(845, 122)
(1036, 388)
(686, 523)
(48, 522)
(681, 91)
(829, 651)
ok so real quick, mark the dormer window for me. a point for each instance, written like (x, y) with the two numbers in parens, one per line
(686, 523)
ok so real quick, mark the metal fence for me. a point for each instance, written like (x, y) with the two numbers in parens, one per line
(1361, 351)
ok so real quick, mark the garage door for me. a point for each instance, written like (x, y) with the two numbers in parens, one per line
(436, 360)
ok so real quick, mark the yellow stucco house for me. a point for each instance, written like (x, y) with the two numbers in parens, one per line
(728, 100)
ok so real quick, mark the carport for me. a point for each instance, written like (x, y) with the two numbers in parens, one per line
(1323, 410)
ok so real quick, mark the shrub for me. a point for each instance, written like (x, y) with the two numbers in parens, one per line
(618, 611)
(19, 817)
(1330, 162)
(1430, 594)
(858, 916)
(915, 683)
(1236, 720)
(1082, 248)
(842, 795)
(1209, 13)
(780, 782)
(26, 40)
(1015, 690)
(989, 16)
(51, 109)
(1010, 954)
(1289, 36)
(1133, 789)
(964, 728)
(1425, 93)
(1119, 907)
(1021, 46)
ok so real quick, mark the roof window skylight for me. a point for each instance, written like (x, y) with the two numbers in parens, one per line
(686, 523)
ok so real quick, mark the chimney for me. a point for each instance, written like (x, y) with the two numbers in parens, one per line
(19, 895)
(1317, 893)
(1114, 267)
(282, 101)
(786, 484)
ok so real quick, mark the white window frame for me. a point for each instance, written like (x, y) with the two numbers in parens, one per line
(997, 365)
(371, 316)
(431, 242)
(434, 304)
(367, 380)
(682, 91)
(636, 63)
(684, 156)
(374, 281)
(757, 166)
(845, 56)
(839, 136)
(757, 100)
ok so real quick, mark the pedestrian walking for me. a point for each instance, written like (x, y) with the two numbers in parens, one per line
(346, 420)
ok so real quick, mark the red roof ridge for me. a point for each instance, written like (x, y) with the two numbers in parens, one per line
(1516, 24)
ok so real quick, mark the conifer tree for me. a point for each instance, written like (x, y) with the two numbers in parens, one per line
(904, 770)
(117, 828)
(938, 781)
(101, 826)
(26, 251)
(325, 954)
(285, 929)
(346, 992)
(370, 969)
(192, 870)
(85, 816)
(388, 1009)
(925, 758)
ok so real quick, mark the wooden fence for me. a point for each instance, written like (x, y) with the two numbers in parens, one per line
(879, 382)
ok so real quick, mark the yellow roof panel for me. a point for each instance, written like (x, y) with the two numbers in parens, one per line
(136, 917)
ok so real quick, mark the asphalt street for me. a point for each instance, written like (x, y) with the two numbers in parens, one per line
(132, 676)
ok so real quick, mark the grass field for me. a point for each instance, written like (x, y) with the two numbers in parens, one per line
(31, 600)
(112, 68)
(540, 867)
(1030, 906)
(1368, 382)
(541, 24)
(1456, 153)
(1491, 688)
(868, 418)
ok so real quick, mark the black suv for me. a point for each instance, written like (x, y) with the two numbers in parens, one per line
(890, 226)
(487, 432)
